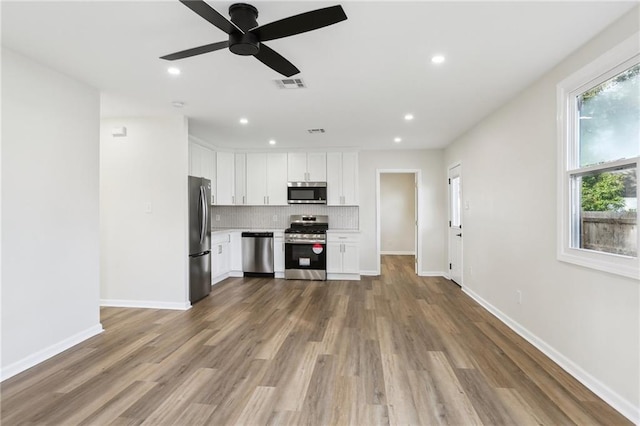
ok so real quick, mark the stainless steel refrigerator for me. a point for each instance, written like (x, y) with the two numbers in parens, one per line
(199, 238)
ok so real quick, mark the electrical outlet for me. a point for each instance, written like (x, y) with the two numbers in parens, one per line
(217, 218)
(519, 294)
(275, 217)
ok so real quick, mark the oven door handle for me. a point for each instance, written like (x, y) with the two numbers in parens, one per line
(305, 242)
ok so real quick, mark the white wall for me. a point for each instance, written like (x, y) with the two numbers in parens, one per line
(397, 213)
(432, 202)
(143, 212)
(587, 320)
(50, 228)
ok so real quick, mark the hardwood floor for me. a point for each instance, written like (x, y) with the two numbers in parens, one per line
(394, 349)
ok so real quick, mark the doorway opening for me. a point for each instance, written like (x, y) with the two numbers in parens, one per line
(397, 215)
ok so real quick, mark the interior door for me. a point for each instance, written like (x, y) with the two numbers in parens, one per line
(455, 224)
(415, 222)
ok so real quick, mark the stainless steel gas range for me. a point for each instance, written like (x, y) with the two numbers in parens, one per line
(305, 248)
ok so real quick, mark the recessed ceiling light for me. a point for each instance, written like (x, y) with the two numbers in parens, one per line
(173, 71)
(397, 140)
(272, 142)
(437, 59)
(244, 121)
(177, 104)
(408, 117)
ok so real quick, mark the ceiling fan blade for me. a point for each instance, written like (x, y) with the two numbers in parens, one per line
(211, 15)
(196, 51)
(275, 61)
(297, 24)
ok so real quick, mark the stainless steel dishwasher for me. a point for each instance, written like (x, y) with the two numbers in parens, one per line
(257, 254)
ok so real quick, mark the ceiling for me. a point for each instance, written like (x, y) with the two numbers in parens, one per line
(362, 75)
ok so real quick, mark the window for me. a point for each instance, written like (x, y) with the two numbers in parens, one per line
(599, 132)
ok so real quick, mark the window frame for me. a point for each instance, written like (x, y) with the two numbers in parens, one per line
(612, 63)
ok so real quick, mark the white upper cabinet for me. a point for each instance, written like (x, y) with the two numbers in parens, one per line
(342, 178)
(277, 179)
(266, 179)
(202, 163)
(225, 177)
(240, 179)
(307, 166)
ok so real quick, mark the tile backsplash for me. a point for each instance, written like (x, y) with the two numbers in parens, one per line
(277, 217)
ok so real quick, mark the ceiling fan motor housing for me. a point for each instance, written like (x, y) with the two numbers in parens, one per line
(245, 17)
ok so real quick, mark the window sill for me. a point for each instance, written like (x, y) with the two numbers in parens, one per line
(612, 263)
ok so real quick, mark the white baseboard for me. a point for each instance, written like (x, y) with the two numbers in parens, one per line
(222, 277)
(625, 407)
(431, 274)
(370, 273)
(147, 304)
(49, 352)
(343, 277)
(398, 253)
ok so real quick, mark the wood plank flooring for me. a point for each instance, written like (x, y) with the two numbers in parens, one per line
(395, 349)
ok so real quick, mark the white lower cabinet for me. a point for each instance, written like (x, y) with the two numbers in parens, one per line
(220, 256)
(343, 256)
(278, 254)
(235, 250)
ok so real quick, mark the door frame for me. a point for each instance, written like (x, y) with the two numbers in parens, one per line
(417, 173)
(452, 166)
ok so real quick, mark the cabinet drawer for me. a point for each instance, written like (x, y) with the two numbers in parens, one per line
(342, 238)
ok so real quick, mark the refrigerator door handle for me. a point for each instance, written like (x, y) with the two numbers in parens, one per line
(203, 206)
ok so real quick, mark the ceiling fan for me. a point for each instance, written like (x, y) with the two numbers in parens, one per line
(246, 37)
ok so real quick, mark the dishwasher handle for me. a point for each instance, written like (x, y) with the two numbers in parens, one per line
(257, 234)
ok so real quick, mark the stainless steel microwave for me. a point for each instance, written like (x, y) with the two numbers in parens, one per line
(307, 192)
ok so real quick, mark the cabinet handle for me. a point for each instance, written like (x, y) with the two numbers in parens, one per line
(233, 199)
(213, 199)
(243, 199)
(267, 199)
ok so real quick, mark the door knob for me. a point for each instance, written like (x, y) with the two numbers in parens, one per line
(459, 235)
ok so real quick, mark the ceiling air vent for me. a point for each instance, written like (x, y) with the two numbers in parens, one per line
(315, 131)
(291, 83)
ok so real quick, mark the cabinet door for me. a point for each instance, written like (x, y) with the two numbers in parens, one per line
(334, 178)
(225, 175)
(350, 258)
(257, 179)
(350, 178)
(209, 169)
(334, 257)
(194, 160)
(202, 163)
(278, 254)
(297, 166)
(276, 179)
(317, 166)
(216, 261)
(240, 179)
(235, 251)
(225, 259)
